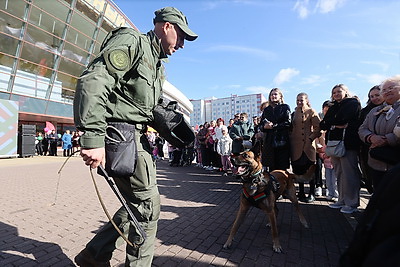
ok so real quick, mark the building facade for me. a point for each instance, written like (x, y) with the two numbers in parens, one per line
(45, 46)
(225, 108)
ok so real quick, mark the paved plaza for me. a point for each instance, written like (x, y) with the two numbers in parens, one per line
(40, 226)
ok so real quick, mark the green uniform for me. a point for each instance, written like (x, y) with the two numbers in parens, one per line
(123, 84)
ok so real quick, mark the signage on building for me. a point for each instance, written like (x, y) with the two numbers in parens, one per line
(8, 128)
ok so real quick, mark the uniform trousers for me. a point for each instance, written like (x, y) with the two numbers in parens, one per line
(348, 177)
(141, 193)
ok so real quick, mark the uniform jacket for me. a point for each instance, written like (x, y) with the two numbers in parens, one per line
(305, 128)
(123, 83)
(379, 124)
(240, 129)
(224, 146)
(344, 112)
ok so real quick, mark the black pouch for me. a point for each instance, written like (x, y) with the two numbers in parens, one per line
(121, 150)
(171, 125)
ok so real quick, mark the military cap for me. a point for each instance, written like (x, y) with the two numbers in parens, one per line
(173, 15)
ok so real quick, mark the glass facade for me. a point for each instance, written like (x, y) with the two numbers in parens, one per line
(44, 47)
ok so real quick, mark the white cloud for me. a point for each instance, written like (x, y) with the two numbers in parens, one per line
(245, 50)
(302, 7)
(373, 79)
(312, 79)
(382, 65)
(258, 89)
(327, 6)
(285, 75)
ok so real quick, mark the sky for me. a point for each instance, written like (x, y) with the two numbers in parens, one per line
(251, 46)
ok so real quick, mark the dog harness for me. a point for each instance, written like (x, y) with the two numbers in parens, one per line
(272, 185)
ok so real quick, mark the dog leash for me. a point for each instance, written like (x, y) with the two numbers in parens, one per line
(115, 189)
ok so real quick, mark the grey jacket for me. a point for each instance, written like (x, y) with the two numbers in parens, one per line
(380, 124)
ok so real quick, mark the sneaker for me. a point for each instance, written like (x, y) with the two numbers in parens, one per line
(347, 209)
(318, 191)
(331, 198)
(336, 205)
(310, 199)
(225, 174)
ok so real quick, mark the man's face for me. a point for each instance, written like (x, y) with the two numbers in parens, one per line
(173, 39)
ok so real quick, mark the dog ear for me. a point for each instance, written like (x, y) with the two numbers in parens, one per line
(256, 149)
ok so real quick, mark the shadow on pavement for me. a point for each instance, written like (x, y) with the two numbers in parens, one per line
(16, 250)
(199, 208)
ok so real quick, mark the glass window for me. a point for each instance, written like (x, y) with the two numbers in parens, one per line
(70, 67)
(28, 83)
(8, 44)
(77, 38)
(75, 53)
(59, 109)
(101, 35)
(5, 73)
(15, 7)
(67, 81)
(54, 21)
(68, 95)
(42, 58)
(4, 96)
(41, 39)
(29, 104)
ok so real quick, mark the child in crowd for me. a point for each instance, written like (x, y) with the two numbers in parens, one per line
(224, 149)
(330, 177)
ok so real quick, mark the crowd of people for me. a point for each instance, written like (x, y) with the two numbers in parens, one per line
(295, 140)
(47, 143)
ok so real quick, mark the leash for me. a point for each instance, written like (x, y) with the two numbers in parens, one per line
(115, 189)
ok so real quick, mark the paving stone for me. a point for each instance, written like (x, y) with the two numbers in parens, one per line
(198, 210)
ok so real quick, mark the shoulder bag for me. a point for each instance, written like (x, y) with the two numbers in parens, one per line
(335, 148)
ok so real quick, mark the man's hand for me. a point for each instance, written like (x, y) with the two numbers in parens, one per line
(93, 157)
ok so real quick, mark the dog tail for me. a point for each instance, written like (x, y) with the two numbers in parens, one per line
(307, 177)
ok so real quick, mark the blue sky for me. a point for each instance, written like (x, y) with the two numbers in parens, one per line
(251, 46)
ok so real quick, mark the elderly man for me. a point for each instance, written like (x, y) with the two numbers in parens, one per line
(120, 87)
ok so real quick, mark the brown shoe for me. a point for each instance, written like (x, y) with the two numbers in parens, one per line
(85, 259)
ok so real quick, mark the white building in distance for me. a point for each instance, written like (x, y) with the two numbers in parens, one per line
(225, 108)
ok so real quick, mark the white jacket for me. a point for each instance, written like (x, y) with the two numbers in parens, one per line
(224, 145)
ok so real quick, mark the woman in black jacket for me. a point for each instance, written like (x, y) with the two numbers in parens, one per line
(343, 118)
(275, 123)
(374, 99)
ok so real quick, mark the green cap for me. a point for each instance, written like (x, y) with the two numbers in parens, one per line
(173, 15)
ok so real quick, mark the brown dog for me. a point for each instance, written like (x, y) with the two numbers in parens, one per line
(258, 190)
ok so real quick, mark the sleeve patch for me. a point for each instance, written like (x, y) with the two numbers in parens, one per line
(119, 59)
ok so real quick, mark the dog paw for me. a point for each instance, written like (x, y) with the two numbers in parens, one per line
(227, 246)
(277, 249)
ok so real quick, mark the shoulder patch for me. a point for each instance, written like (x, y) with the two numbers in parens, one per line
(119, 59)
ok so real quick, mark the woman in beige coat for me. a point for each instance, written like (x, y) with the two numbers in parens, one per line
(305, 128)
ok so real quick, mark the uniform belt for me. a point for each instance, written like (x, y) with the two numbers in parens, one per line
(126, 126)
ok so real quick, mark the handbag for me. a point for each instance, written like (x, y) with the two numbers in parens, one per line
(278, 140)
(335, 148)
(171, 125)
(387, 154)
